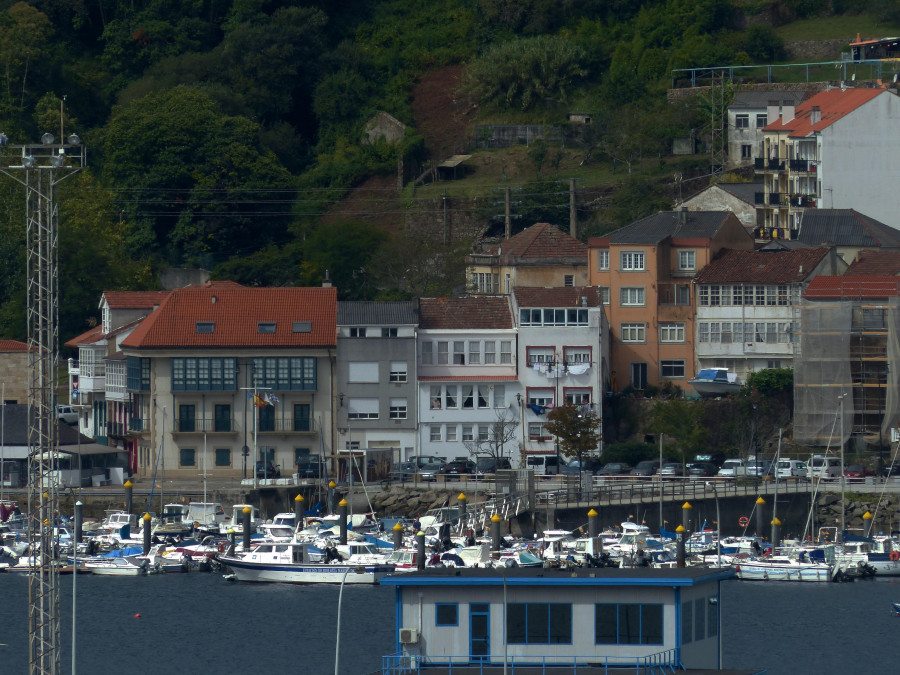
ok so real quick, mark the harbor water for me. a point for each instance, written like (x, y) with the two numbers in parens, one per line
(200, 622)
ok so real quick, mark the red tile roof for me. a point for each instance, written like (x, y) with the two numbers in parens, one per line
(761, 267)
(570, 296)
(852, 288)
(876, 263)
(236, 312)
(87, 337)
(833, 105)
(477, 313)
(134, 299)
(13, 346)
(541, 240)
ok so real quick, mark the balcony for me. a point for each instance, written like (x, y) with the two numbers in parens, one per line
(770, 233)
(763, 164)
(138, 425)
(777, 199)
(287, 425)
(205, 425)
(803, 201)
(115, 429)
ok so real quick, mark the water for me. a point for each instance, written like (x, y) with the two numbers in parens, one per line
(200, 622)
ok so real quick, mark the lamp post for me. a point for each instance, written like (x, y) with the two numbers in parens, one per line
(337, 637)
(712, 485)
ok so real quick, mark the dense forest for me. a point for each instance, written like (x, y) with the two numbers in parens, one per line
(223, 133)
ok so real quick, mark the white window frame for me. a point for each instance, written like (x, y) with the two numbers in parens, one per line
(490, 352)
(603, 259)
(398, 409)
(633, 332)
(537, 432)
(742, 121)
(434, 433)
(632, 261)
(505, 351)
(399, 371)
(535, 355)
(687, 260)
(435, 402)
(427, 353)
(459, 352)
(672, 363)
(474, 352)
(543, 396)
(467, 433)
(632, 296)
(362, 409)
(604, 295)
(573, 355)
(578, 396)
(672, 331)
(499, 395)
(362, 372)
(450, 433)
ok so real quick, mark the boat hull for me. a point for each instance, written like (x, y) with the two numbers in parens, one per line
(305, 573)
(774, 572)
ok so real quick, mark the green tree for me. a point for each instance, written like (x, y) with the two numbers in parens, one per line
(681, 421)
(24, 36)
(763, 44)
(342, 250)
(577, 431)
(771, 381)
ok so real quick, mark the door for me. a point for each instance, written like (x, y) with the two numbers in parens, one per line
(223, 417)
(639, 375)
(266, 418)
(301, 417)
(186, 418)
(479, 632)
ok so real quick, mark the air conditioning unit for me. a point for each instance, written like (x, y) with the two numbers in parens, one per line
(409, 636)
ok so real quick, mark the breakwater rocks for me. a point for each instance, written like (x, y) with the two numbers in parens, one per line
(411, 502)
(883, 508)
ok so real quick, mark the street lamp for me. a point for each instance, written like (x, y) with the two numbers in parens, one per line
(712, 486)
(337, 638)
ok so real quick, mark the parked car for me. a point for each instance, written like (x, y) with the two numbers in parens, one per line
(791, 468)
(267, 470)
(422, 460)
(702, 469)
(458, 467)
(648, 467)
(613, 469)
(715, 457)
(732, 468)
(430, 472)
(760, 467)
(543, 465)
(825, 467)
(491, 464)
(887, 470)
(406, 471)
(857, 471)
(671, 470)
(309, 467)
(67, 414)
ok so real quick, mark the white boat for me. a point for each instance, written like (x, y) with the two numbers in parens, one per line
(818, 564)
(282, 527)
(715, 382)
(291, 563)
(235, 521)
(119, 567)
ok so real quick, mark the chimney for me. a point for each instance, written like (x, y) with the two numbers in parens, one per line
(772, 111)
(787, 112)
(800, 271)
(815, 115)
(326, 282)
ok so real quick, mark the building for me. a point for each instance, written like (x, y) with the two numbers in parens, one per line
(14, 371)
(847, 361)
(835, 150)
(739, 198)
(748, 114)
(600, 620)
(875, 263)
(469, 396)
(221, 376)
(541, 255)
(376, 379)
(848, 230)
(562, 356)
(644, 272)
(746, 301)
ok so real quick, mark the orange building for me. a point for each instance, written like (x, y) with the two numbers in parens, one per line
(645, 272)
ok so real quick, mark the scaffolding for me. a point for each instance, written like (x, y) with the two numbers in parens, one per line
(844, 349)
(39, 168)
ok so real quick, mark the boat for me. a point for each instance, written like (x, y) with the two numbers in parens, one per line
(118, 567)
(896, 607)
(715, 382)
(291, 563)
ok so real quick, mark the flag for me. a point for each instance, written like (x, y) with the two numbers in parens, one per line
(259, 401)
(272, 399)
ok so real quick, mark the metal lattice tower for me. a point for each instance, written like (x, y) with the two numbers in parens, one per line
(39, 168)
(717, 122)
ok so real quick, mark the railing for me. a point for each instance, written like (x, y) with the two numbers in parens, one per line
(205, 424)
(138, 424)
(801, 165)
(288, 424)
(775, 199)
(759, 198)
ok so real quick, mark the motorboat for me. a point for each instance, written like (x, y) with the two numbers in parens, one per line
(291, 562)
(118, 567)
(235, 521)
(715, 382)
(281, 528)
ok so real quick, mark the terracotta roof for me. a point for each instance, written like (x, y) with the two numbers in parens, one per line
(88, 336)
(134, 299)
(852, 288)
(541, 240)
(469, 378)
(761, 267)
(478, 313)
(567, 296)
(13, 346)
(876, 263)
(235, 313)
(833, 105)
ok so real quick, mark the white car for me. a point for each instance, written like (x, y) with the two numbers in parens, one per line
(67, 414)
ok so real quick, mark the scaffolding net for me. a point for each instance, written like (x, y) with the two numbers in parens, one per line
(891, 419)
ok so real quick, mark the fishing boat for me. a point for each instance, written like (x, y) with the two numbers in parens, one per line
(291, 563)
(715, 382)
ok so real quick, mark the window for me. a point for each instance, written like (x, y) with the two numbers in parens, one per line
(628, 624)
(484, 282)
(301, 327)
(539, 355)
(499, 395)
(632, 261)
(443, 354)
(446, 614)
(467, 433)
(363, 371)
(574, 355)
(569, 280)
(285, 373)
(474, 352)
(187, 457)
(398, 371)
(205, 326)
(578, 397)
(459, 353)
(452, 396)
(632, 296)
(468, 397)
(302, 421)
(223, 457)
(357, 332)
(540, 397)
(266, 418)
(603, 259)
(505, 351)
(427, 353)
(742, 121)
(746, 151)
(138, 373)
(536, 432)
(388, 332)
(604, 295)
(451, 433)
(671, 331)
(490, 354)
(639, 375)
(398, 409)
(539, 623)
(762, 119)
(483, 431)
(687, 261)
(435, 398)
(672, 368)
(362, 409)
(266, 327)
(484, 396)
(434, 433)
(204, 374)
(633, 332)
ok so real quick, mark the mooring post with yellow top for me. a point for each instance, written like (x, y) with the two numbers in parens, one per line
(342, 519)
(680, 535)
(461, 507)
(686, 509)
(420, 550)
(593, 525)
(332, 495)
(398, 536)
(246, 525)
(146, 519)
(79, 520)
(495, 532)
(299, 508)
(760, 516)
(868, 520)
(129, 503)
(776, 532)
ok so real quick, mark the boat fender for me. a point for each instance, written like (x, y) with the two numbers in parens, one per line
(895, 556)
(221, 547)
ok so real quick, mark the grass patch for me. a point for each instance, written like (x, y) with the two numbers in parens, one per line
(843, 27)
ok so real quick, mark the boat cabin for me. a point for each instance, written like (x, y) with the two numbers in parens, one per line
(465, 620)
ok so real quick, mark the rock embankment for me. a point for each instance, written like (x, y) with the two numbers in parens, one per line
(884, 509)
(411, 502)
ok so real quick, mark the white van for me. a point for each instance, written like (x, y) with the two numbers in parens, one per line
(543, 465)
(825, 467)
(733, 467)
(791, 468)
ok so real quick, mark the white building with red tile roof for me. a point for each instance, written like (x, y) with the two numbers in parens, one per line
(221, 367)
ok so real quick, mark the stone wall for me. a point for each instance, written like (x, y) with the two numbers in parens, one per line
(14, 374)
